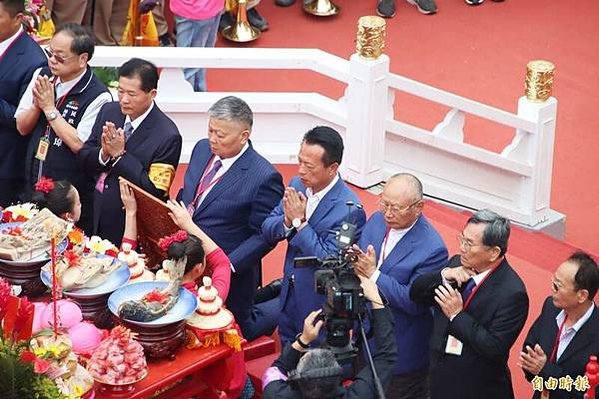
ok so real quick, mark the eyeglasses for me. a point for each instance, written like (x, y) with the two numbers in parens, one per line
(394, 209)
(463, 242)
(58, 58)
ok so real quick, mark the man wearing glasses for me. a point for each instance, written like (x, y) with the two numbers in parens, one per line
(398, 245)
(482, 305)
(58, 111)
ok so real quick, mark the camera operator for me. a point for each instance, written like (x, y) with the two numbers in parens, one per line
(317, 374)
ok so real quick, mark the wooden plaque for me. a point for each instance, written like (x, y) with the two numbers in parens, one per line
(153, 223)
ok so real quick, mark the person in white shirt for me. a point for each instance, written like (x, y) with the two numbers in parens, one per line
(58, 110)
(398, 245)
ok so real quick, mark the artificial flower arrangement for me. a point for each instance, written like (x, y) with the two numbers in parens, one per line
(25, 363)
(19, 212)
(37, 20)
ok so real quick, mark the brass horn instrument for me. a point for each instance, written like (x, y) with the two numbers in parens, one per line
(241, 31)
(321, 8)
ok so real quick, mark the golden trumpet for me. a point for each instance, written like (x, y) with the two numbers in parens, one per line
(241, 31)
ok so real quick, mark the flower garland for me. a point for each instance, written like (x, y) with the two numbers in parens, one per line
(166, 242)
(37, 20)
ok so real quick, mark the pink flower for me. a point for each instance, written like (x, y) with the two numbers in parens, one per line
(40, 366)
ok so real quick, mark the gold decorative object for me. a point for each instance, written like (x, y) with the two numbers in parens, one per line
(241, 31)
(539, 80)
(321, 8)
(370, 40)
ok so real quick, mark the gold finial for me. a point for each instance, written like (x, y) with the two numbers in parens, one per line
(539, 80)
(370, 40)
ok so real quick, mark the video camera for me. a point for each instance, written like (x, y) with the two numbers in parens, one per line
(337, 281)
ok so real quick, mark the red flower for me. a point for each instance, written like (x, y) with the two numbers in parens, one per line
(112, 252)
(44, 185)
(6, 217)
(5, 290)
(72, 258)
(166, 242)
(40, 366)
(20, 218)
(23, 314)
(155, 296)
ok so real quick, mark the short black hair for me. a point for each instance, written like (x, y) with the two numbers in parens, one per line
(13, 7)
(142, 69)
(330, 140)
(587, 275)
(497, 229)
(191, 247)
(83, 40)
(59, 200)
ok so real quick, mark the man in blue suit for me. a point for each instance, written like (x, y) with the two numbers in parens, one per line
(230, 189)
(399, 245)
(134, 139)
(312, 209)
(20, 56)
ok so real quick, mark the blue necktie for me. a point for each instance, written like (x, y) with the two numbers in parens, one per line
(128, 130)
(468, 289)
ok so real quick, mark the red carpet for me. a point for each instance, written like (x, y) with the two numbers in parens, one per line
(481, 53)
(478, 52)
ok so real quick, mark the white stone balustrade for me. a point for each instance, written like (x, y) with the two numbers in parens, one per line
(515, 182)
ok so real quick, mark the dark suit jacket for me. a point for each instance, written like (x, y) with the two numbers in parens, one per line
(487, 329)
(231, 214)
(156, 140)
(419, 252)
(574, 359)
(16, 68)
(362, 386)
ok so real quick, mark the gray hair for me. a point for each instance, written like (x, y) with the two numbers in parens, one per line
(232, 109)
(412, 180)
(497, 229)
(316, 384)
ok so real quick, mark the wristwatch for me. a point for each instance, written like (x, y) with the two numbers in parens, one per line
(50, 116)
(297, 222)
(299, 341)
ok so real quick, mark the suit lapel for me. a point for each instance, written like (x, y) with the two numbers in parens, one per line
(327, 203)
(231, 176)
(582, 337)
(403, 248)
(9, 61)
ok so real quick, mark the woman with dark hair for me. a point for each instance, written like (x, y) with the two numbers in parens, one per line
(60, 197)
(204, 257)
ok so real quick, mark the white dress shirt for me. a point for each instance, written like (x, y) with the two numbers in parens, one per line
(313, 199)
(391, 239)
(5, 44)
(569, 333)
(84, 128)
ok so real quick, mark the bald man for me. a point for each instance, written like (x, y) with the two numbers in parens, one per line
(398, 244)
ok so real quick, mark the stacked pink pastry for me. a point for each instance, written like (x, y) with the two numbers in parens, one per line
(119, 359)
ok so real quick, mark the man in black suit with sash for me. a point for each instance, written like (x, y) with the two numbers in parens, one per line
(481, 307)
(560, 342)
(19, 57)
(134, 139)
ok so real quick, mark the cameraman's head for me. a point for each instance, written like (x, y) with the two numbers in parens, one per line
(319, 157)
(319, 374)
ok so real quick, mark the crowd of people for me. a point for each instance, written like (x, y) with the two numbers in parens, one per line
(443, 327)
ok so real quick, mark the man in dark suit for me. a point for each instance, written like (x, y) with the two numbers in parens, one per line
(230, 189)
(134, 139)
(311, 211)
(397, 245)
(482, 305)
(19, 57)
(560, 342)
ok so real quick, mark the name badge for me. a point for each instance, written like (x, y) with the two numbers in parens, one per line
(454, 346)
(42, 149)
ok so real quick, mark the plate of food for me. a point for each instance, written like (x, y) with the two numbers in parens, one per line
(151, 304)
(87, 275)
(29, 243)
